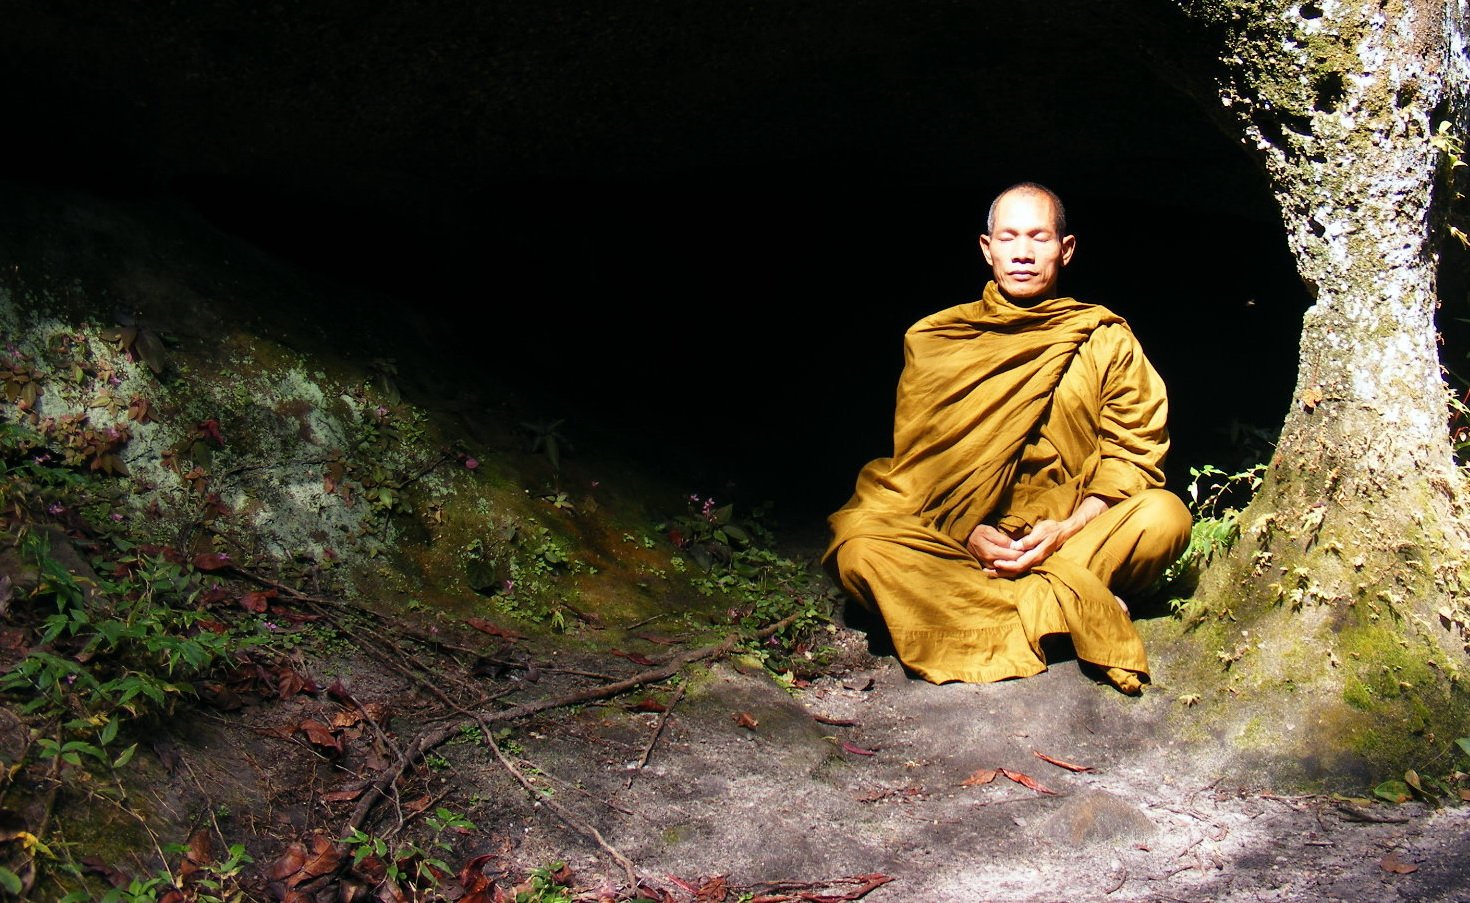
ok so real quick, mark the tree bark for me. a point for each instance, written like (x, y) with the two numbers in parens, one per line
(1340, 613)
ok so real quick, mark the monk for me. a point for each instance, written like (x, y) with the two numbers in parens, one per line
(1024, 496)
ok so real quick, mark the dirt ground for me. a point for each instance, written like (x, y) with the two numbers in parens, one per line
(862, 784)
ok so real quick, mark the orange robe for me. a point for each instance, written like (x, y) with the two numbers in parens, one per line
(1007, 416)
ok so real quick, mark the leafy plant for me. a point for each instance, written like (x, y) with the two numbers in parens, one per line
(115, 650)
(549, 884)
(738, 559)
(1216, 499)
(1450, 143)
(407, 865)
(82, 444)
(546, 437)
(197, 881)
(138, 342)
(22, 383)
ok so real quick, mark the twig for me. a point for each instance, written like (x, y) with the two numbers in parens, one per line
(431, 739)
(657, 730)
(636, 624)
(1122, 880)
(564, 815)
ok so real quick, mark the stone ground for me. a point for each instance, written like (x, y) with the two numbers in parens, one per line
(752, 787)
(1148, 821)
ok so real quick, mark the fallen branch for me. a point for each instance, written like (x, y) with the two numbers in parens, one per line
(791, 891)
(657, 730)
(562, 813)
(431, 739)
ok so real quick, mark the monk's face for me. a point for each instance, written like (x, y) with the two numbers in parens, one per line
(1024, 250)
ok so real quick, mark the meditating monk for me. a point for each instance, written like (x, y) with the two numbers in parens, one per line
(1024, 495)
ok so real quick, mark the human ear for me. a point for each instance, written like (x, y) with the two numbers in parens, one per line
(1069, 246)
(985, 248)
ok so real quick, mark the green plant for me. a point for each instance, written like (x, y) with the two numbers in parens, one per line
(115, 650)
(550, 884)
(546, 437)
(737, 559)
(406, 862)
(1429, 788)
(1448, 142)
(22, 383)
(82, 444)
(1216, 499)
(138, 342)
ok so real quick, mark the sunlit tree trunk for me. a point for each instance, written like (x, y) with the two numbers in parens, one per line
(1340, 614)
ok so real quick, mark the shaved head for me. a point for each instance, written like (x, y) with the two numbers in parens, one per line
(1030, 188)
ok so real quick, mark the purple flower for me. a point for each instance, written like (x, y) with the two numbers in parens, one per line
(55, 508)
(471, 463)
(270, 625)
(116, 517)
(382, 412)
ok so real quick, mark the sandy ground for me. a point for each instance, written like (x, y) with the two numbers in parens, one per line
(870, 772)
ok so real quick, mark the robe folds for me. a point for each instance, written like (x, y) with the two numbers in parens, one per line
(1011, 415)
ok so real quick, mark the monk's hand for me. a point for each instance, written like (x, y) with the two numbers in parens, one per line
(1034, 548)
(1045, 538)
(992, 548)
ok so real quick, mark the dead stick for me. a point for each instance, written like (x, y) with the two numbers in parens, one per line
(564, 815)
(657, 729)
(428, 741)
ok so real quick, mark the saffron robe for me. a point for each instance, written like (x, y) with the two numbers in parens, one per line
(1011, 415)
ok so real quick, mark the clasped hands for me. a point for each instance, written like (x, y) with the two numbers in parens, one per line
(1005, 556)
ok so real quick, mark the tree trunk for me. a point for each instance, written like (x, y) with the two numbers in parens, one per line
(1339, 616)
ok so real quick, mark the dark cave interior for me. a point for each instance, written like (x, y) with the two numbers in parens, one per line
(696, 234)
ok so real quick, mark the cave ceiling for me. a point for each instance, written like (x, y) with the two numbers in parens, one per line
(756, 197)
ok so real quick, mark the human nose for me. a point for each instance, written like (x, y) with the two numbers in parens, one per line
(1023, 250)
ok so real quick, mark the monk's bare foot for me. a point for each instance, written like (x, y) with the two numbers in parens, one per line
(1121, 604)
(1126, 681)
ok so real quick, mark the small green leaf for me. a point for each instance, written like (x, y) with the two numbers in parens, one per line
(126, 757)
(109, 732)
(1464, 744)
(10, 881)
(1393, 791)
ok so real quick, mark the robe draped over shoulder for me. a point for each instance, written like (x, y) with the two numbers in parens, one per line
(1005, 415)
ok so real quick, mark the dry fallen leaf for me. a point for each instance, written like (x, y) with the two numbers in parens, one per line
(1060, 764)
(259, 601)
(857, 750)
(713, 890)
(492, 629)
(320, 735)
(636, 658)
(986, 775)
(1026, 781)
(341, 796)
(1312, 397)
(745, 720)
(1392, 863)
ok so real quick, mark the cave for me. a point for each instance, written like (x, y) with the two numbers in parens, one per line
(694, 233)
